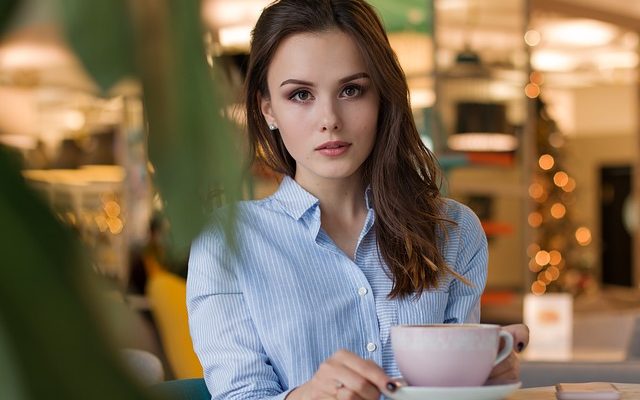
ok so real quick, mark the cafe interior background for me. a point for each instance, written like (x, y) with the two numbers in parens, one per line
(531, 107)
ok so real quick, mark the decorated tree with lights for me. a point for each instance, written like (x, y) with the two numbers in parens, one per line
(558, 256)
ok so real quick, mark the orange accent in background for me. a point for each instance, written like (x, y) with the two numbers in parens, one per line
(501, 159)
(498, 297)
(496, 228)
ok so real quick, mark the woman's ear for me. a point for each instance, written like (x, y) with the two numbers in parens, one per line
(266, 109)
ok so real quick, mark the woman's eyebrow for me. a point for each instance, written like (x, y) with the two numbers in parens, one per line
(296, 82)
(307, 83)
(354, 76)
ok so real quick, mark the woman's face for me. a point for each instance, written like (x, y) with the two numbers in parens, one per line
(324, 104)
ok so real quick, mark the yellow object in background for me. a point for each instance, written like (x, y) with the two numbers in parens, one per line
(167, 296)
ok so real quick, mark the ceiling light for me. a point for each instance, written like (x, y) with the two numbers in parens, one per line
(236, 37)
(223, 13)
(579, 33)
(482, 142)
(549, 60)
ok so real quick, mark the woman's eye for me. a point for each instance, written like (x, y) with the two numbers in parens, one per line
(301, 95)
(351, 91)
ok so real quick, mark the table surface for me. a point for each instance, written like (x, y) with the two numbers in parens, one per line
(629, 391)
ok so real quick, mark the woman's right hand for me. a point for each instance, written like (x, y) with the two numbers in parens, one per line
(345, 376)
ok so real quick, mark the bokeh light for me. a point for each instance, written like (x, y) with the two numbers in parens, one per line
(555, 257)
(570, 186)
(538, 288)
(112, 209)
(546, 162)
(536, 77)
(542, 277)
(553, 273)
(543, 257)
(583, 236)
(535, 219)
(560, 179)
(532, 90)
(556, 140)
(532, 37)
(558, 210)
(536, 190)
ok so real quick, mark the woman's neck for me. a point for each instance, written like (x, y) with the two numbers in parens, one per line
(339, 198)
(343, 210)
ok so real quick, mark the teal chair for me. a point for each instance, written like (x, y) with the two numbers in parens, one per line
(181, 389)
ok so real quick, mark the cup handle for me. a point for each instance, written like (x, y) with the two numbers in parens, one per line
(506, 350)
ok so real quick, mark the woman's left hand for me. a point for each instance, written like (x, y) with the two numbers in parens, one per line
(508, 371)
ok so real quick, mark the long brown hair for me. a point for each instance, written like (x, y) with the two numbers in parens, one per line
(402, 172)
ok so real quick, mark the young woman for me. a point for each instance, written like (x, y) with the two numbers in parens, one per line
(357, 238)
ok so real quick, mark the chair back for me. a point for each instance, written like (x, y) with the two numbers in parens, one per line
(167, 297)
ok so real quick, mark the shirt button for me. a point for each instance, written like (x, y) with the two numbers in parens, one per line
(363, 291)
(371, 347)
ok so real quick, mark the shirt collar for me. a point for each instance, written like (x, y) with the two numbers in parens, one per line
(296, 201)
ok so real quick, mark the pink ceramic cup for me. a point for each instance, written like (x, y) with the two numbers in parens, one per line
(448, 354)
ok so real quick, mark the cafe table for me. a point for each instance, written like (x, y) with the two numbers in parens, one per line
(629, 391)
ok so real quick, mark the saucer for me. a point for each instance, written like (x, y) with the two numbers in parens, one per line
(491, 392)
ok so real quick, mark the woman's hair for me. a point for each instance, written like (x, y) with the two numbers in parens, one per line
(401, 171)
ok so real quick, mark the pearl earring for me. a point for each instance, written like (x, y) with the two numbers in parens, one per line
(273, 127)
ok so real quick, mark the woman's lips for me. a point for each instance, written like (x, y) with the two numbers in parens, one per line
(333, 149)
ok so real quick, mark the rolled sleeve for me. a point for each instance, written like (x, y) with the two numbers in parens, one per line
(234, 362)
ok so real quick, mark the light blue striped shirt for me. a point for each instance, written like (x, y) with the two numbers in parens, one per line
(264, 318)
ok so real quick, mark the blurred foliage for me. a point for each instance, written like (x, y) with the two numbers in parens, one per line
(7, 7)
(101, 33)
(406, 15)
(191, 145)
(48, 308)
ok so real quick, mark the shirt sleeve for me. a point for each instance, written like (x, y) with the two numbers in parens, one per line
(234, 362)
(472, 263)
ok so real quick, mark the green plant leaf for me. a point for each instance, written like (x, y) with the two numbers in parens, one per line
(406, 15)
(192, 146)
(100, 33)
(48, 317)
(7, 7)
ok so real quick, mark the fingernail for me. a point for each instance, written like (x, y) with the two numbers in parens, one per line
(391, 386)
(520, 346)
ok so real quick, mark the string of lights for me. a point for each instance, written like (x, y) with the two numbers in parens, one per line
(556, 256)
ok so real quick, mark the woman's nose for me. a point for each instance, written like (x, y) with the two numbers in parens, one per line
(330, 120)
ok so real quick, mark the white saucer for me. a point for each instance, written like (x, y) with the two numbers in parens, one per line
(491, 392)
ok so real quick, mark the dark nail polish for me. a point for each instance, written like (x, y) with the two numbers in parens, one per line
(391, 386)
(520, 346)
